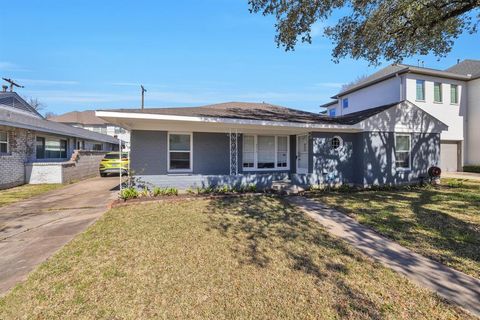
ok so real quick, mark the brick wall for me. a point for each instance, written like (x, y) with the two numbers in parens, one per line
(21, 149)
(83, 164)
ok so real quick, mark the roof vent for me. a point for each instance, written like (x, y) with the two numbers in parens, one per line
(4, 88)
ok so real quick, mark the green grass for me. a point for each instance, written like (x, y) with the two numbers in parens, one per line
(25, 191)
(238, 258)
(442, 223)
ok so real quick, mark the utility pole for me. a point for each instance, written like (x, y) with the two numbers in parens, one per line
(12, 84)
(143, 96)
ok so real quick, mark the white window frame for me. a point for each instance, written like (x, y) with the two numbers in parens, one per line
(340, 144)
(456, 93)
(441, 92)
(168, 153)
(255, 153)
(6, 141)
(409, 151)
(423, 87)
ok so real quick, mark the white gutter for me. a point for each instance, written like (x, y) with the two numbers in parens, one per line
(150, 116)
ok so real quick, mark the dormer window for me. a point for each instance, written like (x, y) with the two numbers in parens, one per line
(420, 90)
(345, 103)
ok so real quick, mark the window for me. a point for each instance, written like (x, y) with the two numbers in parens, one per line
(420, 90)
(345, 103)
(40, 148)
(99, 130)
(282, 152)
(3, 142)
(332, 112)
(402, 151)
(97, 147)
(265, 152)
(119, 130)
(437, 92)
(248, 151)
(336, 142)
(47, 148)
(453, 93)
(180, 152)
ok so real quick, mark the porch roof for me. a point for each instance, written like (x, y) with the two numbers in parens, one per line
(242, 116)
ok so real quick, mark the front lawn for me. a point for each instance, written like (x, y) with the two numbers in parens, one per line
(442, 223)
(238, 258)
(25, 191)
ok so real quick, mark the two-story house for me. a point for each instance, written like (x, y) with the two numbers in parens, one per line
(451, 95)
(88, 121)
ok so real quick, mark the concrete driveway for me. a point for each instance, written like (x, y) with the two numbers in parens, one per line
(32, 230)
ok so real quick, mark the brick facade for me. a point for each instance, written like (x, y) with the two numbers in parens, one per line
(21, 149)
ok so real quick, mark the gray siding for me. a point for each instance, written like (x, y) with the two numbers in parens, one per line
(364, 159)
(211, 153)
(148, 152)
(378, 149)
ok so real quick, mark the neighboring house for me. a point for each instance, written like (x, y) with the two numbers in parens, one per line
(451, 95)
(27, 139)
(87, 120)
(241, 143)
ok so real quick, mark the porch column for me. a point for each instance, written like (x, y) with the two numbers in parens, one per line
(233, 137)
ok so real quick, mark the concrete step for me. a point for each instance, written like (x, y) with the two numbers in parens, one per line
(286, 187)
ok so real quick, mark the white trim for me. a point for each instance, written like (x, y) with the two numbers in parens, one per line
(190, 151)
(304, 170)
(340, 145)
(409, 151)
(7, 142)
(255, 153)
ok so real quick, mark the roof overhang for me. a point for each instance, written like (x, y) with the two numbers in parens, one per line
(150, 121)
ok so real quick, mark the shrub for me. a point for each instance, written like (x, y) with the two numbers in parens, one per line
(128, 193)
(169, 191)
(144, 193)
(475, 168)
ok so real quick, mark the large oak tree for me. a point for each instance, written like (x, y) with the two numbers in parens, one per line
(374, 29)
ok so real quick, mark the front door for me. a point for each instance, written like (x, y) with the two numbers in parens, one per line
(302, 154)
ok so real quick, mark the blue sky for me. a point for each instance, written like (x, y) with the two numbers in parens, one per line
(78, 55)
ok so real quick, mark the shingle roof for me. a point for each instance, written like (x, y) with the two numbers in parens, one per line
(260, 111)
(466, 67)
(13, 100)
(81, 117)
(16, 118)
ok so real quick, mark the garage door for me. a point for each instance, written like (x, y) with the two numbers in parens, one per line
(449, 156)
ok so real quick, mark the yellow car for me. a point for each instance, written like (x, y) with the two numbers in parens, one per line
(111, 163)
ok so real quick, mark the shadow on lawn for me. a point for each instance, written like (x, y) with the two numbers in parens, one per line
(259, 226)
(426, 227)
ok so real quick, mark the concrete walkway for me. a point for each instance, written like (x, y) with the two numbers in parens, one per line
(32, 230)
(462, 175)
(448, 283)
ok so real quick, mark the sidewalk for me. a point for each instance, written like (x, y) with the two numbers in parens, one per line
(450, 284)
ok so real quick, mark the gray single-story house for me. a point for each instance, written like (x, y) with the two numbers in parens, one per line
(35, 150)
(242, 143)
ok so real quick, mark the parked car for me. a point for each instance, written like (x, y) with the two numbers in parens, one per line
(112, 163)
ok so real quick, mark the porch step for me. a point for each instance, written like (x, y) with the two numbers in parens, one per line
(286, 187)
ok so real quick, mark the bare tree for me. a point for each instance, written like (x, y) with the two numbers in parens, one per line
(36, 104)
(50, 114)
